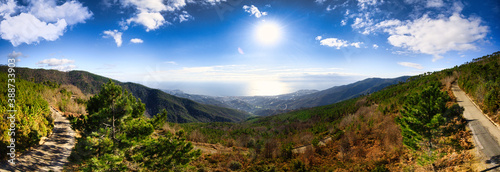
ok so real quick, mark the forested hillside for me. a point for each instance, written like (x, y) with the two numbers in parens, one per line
(31, 121)
(270, 105)
(181, 110)
(415, 125)
(481, 80)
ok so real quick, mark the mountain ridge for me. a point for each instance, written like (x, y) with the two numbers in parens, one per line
(270, 105)
(179, 110)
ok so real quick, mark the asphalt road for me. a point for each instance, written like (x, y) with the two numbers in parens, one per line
(486, 134)
(51, 155)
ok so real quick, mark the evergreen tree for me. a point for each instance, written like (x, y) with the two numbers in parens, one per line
(422, 116)
(117, 137)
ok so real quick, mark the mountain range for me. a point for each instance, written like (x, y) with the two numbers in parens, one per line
(180, 110)
(270, 105)
(183, 107)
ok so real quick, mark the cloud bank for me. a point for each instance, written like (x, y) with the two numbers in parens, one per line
(39, 20)
(254, 11)
(337, 43)
(412, 65)
(57, 64)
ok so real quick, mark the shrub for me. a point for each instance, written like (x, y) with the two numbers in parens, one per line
(235, 165)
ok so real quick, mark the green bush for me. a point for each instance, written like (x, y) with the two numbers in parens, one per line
(235, 165)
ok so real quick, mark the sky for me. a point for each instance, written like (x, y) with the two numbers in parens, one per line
(243, 47)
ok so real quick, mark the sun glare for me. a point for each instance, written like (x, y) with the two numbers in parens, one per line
(267, 88)
(268, 33)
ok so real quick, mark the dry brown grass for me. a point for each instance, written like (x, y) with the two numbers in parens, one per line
(171, 128)
(196, 136)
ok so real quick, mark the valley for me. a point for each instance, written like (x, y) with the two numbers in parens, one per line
(249, 86)
(271, 105)
(364, 131)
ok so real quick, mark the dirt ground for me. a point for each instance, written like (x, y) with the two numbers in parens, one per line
(52, 154)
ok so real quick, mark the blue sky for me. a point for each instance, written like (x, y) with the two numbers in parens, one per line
(238, 47)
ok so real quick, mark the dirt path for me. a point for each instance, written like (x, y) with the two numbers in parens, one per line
(52, 155)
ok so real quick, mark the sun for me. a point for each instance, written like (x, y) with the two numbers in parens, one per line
(268, 33)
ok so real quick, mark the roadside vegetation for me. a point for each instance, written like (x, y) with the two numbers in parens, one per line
(33, 118)
(385, 130)
(481, 80)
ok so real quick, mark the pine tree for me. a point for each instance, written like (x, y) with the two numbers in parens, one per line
(422, 116)
(116, 135)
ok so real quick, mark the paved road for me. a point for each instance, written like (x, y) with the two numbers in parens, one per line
(486, 135)
(52, 155)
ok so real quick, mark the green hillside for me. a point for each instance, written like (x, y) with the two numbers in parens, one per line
(33, 118)
(344, 92)
(180, 110)
(481, 80)
(368, 133)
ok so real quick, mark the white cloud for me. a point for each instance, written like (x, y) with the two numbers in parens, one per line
(64, 68)
(151, 20)
(412, 65)
(117, 36)
(435, 3)
(150, 11)
(136, 40)
(436, 36)
(150, 5)
(153, 14)
(254, 11)
(334, 42)
(343, 22)
(7, 8)
(213, 2)
(375, 46)
(171, 62)
(318, 38)
(320, 1)
(39, 20)
(55, 62)
(363, 4)
(356, 44)
(71, 11)
(15, 54)
(338, 43)
(185, 16)
(388, 24)
(26, 28)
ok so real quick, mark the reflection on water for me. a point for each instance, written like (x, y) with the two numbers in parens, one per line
(267, 88)
(260, 88)
(207, 88)
(252, 88)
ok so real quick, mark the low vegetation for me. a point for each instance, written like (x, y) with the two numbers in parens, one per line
(481, 80)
